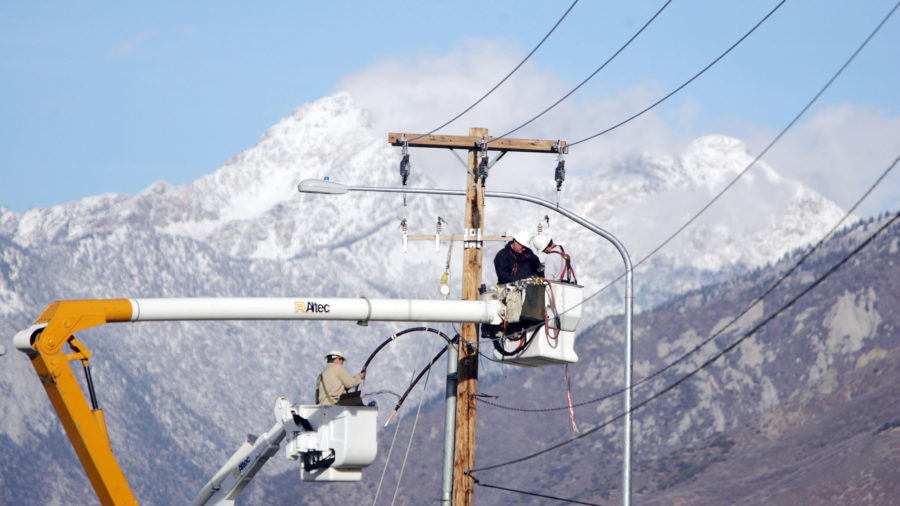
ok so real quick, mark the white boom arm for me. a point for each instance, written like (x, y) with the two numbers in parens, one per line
(230, 480)
(315, 308)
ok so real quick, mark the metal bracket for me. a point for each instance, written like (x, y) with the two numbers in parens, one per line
(365, 322)
(472, 238)
(463, 163)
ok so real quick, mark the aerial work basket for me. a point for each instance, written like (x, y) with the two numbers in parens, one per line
(540, 321)
(341, 442)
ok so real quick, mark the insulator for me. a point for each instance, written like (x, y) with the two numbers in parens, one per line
(560, 173)
(483, 168)
(404, 168)
(405, 241)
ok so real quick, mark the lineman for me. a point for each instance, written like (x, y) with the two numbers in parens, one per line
(516, 261)
(334, 381)
(561, 269)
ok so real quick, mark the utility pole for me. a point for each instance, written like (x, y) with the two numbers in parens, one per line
(478, 144)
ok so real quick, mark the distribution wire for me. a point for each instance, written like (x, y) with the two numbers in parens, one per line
(761, 154)
(513, 71)
(689, 81)
(734, 320)
(588, 78)
(412, 432)
(750, 165)
(533, 494)
(705, 364)
(397, 427)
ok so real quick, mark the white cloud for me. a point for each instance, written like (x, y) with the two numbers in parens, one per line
(417, 95)
(839, 152)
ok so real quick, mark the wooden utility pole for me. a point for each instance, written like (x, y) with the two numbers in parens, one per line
(478, 144)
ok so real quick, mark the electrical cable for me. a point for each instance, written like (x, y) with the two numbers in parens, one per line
(734, 320)
(387, 460)
(412, 433)
(513, 71)
(708, 362)
(769, 146)
(588, 78)
(689, 81)
(398, 334)
(427, 369)
(751, 164)
(533, 494)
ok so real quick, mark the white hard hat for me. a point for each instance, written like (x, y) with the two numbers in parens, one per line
(522, 237)
(541, 241)
(334, 353)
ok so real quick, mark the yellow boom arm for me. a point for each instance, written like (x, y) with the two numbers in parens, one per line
(84, 425)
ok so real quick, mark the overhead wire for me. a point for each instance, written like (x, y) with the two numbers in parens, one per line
(748, 167)
(734, 320)
(513, 71)
(412, 432)
(689, 81)
(769, 146)
(591, 76)
(387, 460)
(706, 363)
(533, 494)
(761, 324)
(756, 328)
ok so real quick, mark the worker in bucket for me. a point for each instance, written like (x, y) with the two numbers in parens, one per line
(333, 382)
(558, 264)
(516, 261)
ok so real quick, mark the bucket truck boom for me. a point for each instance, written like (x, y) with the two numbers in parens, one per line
(43, 343)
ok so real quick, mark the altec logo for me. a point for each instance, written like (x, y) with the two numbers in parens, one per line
(311, 307)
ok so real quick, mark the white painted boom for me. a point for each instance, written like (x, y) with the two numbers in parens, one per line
(315, 308)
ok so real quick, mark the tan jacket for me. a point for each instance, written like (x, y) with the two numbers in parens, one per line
(336, 380)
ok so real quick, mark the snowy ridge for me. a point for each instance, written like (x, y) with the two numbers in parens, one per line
(245, 231)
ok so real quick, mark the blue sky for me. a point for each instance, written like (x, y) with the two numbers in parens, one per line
(112, 96)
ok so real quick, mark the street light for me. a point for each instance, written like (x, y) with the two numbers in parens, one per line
(330, 187)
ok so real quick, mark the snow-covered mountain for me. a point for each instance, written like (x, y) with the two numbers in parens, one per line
(245, 231)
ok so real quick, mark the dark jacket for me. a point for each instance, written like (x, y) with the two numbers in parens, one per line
(512, 266)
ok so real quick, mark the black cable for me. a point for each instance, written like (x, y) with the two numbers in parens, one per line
(734, 320)
(504, 79)
(533, 494)
(776, 139)
(708, 362)
(752, 163)
(698, 74)
(398, 334)
(588, 78)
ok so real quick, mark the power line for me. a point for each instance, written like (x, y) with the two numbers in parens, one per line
(412, 433)
(734, 320)
(588, 78)
(698, 74)
(513, 71)
(754, 161)
(533, 494)
(708, 362)
(772, 143)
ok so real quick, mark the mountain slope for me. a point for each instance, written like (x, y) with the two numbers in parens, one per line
(195, 389)
(803, 411)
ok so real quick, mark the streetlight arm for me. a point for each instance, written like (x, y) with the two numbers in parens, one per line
(319, 186)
